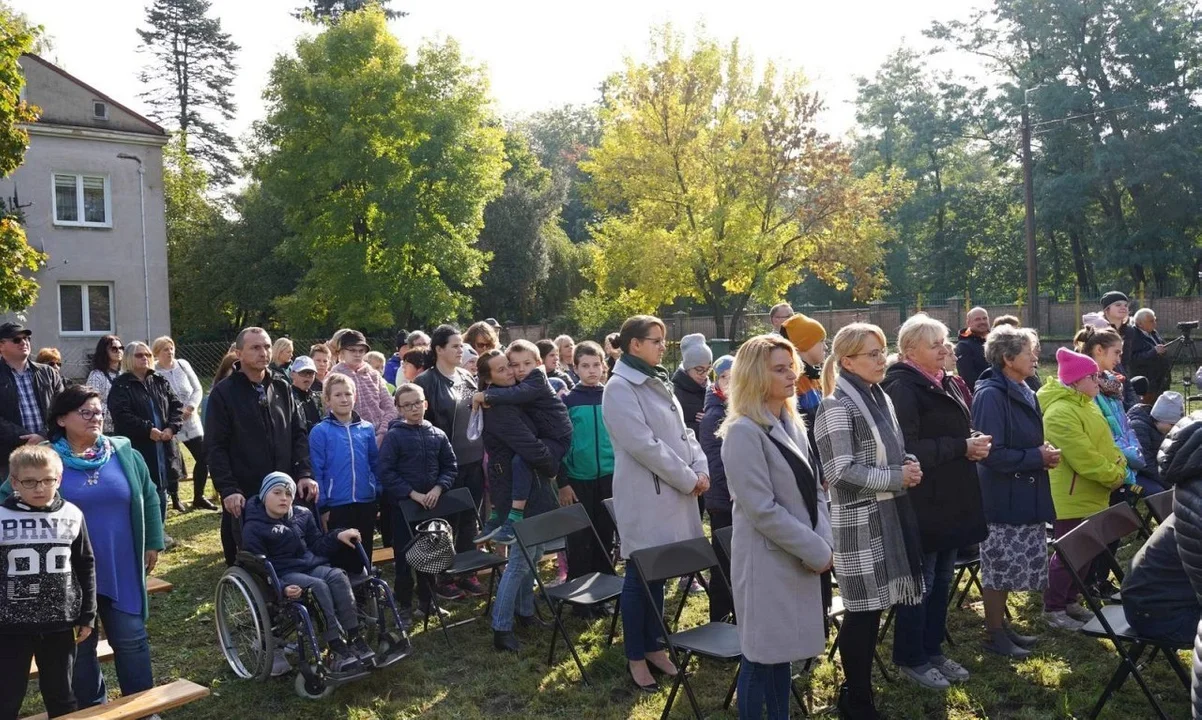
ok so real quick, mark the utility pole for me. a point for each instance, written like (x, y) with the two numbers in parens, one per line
(1029, 201)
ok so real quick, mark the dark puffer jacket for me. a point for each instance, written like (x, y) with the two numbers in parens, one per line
(292, 544)
(415, 457)
(936, 426)
(691, 397)
(1150, 438)
(509, 433)
(1180, 461)
(718, 496)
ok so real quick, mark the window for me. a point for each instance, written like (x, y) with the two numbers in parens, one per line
(82, 200)
(85, 308)
(100, 110)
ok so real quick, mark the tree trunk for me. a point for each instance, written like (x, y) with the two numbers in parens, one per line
(1077, 244)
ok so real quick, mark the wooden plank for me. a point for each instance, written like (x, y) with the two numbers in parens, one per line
(104, 653)
(383, 556)
(140, 705)
(156, 585)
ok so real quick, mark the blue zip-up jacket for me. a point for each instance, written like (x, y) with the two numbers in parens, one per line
(415, 457)
(292, 544)
(591, 455)
(392, 366)
(344, 461)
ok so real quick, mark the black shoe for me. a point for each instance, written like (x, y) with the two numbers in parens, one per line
(505, 641)
(203, 503)
(531, 621)
(649, 689)
(1105, 589)
(360, 649)
(176, 505)
(856, 708)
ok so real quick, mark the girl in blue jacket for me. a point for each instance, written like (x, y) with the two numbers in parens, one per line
(342, 448)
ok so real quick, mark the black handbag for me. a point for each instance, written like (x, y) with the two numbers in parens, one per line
(432, 549)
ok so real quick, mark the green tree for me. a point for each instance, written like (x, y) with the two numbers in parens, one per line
(384, 197)
(331, 11)
(17, 289)
(189, 78)
(562, 138)
(719, 188)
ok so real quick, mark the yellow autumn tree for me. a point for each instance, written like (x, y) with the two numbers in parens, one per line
(716, 185)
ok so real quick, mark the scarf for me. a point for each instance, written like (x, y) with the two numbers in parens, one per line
(1111, 384)
(658, 372)
(91, 459)
(899, 524)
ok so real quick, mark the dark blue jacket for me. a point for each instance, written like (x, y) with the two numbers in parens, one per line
(509, 433)
(392, 366)
(291, 544)
(718, 496)
(415, 457)
(534, 395)
(970, 357)
(1015, 489)
(1150, 439)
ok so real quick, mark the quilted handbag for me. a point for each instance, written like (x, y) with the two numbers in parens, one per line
(432, 549)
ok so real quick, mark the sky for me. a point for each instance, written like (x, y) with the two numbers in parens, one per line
(538, 54)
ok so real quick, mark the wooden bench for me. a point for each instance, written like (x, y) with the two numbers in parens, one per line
(143, 704)
(104, 653)
(156, 585)
(383, 556)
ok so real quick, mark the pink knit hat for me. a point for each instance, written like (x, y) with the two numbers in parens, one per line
(1073, 365)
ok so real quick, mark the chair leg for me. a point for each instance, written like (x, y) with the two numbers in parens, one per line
(1128, 665)
(683, 679)
(888, 621)
(734, 683)
(492, 585)
(1175, 662)
(801, 703)
(613, 624)
(680, 673)
(684, 599)
(554, 636)
(441, 622)
(568, 641)
(880, 665)
(956, 583)
(835, 644)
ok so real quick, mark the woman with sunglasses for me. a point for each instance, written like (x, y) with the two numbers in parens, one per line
(106, 366)
(1091, 466)
(108, 480)
(146, 411)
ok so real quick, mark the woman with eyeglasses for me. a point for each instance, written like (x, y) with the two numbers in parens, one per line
(186, 386)
(109, 481)
(659, 472)
(146, 411)
(106, 366)
(1091, 467)
(878, 550)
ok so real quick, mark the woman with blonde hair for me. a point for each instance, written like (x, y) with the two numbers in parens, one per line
(281, 355)
(878, 552)
(187, 388)
(780, 504)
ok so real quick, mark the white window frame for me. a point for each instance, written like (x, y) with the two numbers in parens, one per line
(108, 200)
(86, 319)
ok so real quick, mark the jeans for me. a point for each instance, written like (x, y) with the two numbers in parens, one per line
(641, 631)
(127, 636)
(332, 590)
(764, 690)
(1178, 628)
(918, 630)
(515, 592)
(55, 653)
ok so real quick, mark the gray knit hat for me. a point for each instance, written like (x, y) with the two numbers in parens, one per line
(1169, 408)
(694, 352)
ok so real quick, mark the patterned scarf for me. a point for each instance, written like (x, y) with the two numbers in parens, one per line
(93, 458)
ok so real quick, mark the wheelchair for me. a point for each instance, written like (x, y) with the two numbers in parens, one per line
(255, 621)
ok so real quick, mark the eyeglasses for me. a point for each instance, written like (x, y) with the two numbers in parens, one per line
(35, 484)
(88, 414)
(143, 356)
(116, 348)
(874, 355)
(411, 406)
(700, 370)
(659, 342)
(23, 340)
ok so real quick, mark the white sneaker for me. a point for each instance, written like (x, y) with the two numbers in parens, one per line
(950, 669)
(1060, 619)
(930, 677)
(1079, 613)
(280, 664)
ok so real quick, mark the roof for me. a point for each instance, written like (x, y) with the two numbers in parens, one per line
(158, 129)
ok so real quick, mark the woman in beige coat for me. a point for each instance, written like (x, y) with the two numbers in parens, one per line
(782, 532)
(659, 472)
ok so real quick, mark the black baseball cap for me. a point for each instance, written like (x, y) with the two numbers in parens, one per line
(351, 338)
(11, 330)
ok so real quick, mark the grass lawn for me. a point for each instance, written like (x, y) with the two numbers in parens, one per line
(1063, 679)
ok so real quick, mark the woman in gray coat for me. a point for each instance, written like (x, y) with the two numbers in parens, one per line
(782, 533)
(659, 472)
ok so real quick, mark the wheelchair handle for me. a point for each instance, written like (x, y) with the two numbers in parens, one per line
(363, 556)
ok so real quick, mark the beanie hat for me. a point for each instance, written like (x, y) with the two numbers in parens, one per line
(274, 479)
(804, 332)
(1169, 408)
(1139, 385)
(694, 352)
(468, 355)
(1074, 366)
(723, 364)
(1112, 297)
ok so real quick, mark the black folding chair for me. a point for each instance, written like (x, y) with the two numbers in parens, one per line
(684, 596)
(615, 552)
(467, 563)
(1160, 506)
(716, 640)
(585, 591)
(1078, 549)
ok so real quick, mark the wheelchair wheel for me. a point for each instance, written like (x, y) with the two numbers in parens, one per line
(312, 689)
(244, 625)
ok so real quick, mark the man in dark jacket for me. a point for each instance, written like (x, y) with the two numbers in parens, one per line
(253, 428)
(26, 389)
(1148, 354)
(970, 348)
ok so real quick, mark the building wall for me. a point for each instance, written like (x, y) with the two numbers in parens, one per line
(64, 100)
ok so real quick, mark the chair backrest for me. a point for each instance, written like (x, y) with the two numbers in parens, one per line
(1081, 545)
(1160, 505)
(677, 559)
(552, 525)
(452, 503)
(1115, 523)
(609, 508)
(724, 536)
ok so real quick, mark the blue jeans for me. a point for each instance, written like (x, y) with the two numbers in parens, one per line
(764, 690)
(515, 592)
(919, 629)
(523, 476)
(1178, 627)
(641, 631)
(332, 590)
(126, 634)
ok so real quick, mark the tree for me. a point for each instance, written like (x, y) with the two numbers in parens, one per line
(17, 289)
(562, 138)
(331, 11)
(384, 197)
(189, 78)
(717, 186)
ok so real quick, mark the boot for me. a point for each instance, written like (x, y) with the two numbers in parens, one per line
(176, 505)
(1000, 643)
(203, 503)
(505, 641)
(856, 708)
(1024, 641)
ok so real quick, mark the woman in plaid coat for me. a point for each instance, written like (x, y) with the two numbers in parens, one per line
(878, 552)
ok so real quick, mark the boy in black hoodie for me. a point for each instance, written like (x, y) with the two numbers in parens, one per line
(534, 396)
(47, 583)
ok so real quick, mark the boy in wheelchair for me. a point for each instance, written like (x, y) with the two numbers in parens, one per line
(289, 538)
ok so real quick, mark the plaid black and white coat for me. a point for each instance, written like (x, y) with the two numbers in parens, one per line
(854, 464)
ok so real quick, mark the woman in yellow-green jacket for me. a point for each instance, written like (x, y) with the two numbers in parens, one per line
(1091, 466)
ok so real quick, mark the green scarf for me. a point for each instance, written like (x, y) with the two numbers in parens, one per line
(659, 372)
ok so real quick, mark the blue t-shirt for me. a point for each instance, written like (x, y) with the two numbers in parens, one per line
(106, 510)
